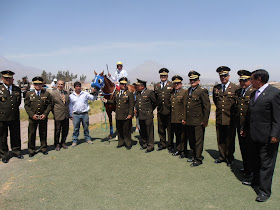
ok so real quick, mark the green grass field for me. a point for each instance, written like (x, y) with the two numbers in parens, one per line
(100, 176)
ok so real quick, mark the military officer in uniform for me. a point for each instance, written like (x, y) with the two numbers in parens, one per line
(197, 109)
(124, 101)
(225, 100)
(10, 100)
(178, 96)
(25, 86)
(145, 105)
(243, 99)
(37, 105)
(163, 91)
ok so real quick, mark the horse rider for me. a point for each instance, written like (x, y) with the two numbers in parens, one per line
(119, 73)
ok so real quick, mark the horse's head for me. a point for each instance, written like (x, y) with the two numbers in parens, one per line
(98, 81)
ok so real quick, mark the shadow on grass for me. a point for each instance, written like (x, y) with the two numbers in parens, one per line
(213, 153)
(235, 168)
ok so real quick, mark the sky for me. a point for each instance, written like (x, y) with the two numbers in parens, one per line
(85, 35)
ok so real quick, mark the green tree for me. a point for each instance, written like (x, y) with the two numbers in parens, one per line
(83, 78)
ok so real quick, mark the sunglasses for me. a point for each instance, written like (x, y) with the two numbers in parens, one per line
(243, 80)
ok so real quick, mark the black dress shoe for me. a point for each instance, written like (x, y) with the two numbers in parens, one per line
(194, 164)
(142, 148)
(4, 160)
(176, 153)
(119, 146)
(32, 154)
(262, 198)
(20, 157)
(149, 150)
(230, 164)
(218, 161)
(128, 148)
(45, 153)
(241, 170)
(182, 155)
(160, 148)
(170, 150)
(190, 160)
(248, 183)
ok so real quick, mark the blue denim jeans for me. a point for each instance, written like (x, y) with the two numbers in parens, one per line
(77, 119)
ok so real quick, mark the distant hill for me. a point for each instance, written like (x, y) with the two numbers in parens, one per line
(19, 69)
(148, 71)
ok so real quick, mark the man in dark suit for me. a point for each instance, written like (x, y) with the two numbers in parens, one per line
(243, 99)
(60, 109)
(124, 101)
(10, 100)
(225, 100)
(263, 125)
(163, 91)
(197, 108)
(178, 98)
(145, 105)
(37, 104)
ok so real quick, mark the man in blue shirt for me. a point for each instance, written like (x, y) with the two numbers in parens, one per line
(79, 108)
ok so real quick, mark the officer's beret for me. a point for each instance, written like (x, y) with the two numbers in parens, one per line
(194, 75)
(7, 73)
(141, 82)
(123, 80)
(163, 71)
(37, 80)
(244, 74)
(223, 70)
(177, 78)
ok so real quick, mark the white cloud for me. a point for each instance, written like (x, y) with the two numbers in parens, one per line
(125, 45)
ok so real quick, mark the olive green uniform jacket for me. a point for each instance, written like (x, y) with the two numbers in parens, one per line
(225, 104)
(197, 106)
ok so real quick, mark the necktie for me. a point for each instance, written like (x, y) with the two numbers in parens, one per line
(224, 88)
(162, 85)
(38, 94)
(257, 94)
(62, 96)
(10, 90)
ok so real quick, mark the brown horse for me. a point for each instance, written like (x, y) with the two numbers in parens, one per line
(108, 88)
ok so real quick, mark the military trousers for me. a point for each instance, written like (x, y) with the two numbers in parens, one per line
(61, 127)
(226, 141)
(147, 133)
(15, 140)
(177, 130)
(32, 128)
(195, 135)
(164, 126)
(124, 132)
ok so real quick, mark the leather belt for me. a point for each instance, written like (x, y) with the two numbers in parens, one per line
(81, 113)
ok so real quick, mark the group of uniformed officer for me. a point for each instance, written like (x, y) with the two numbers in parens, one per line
(37, 106)
(185, 114)
(180, 112)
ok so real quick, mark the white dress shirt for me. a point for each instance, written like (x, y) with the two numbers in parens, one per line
(79, 103)
(226, 85)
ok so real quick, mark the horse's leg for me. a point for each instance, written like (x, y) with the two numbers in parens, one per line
(109, 114)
